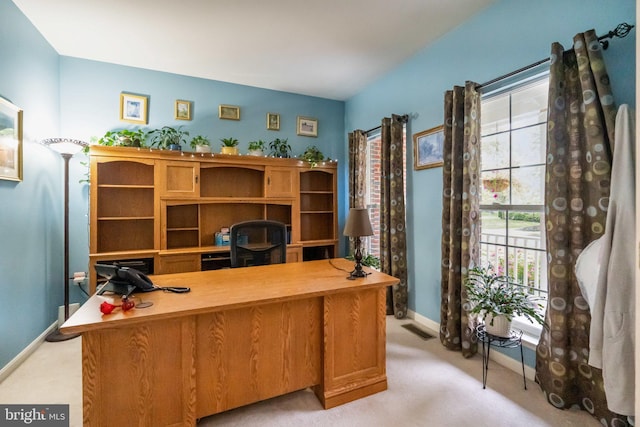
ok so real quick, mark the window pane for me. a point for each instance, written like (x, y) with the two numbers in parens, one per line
(529, 105)
(529, 145)
(494, 151)
(525, 230)
(495, 115)
(527, 185)
(495, 187)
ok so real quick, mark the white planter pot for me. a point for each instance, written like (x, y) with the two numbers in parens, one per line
(203, 149)
(255, 152)
(501, 325)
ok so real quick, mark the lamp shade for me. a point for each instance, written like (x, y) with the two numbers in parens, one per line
(358, 223)
(65, 145)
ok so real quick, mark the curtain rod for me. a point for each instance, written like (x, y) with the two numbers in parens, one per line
(403, 118)
(622, 30)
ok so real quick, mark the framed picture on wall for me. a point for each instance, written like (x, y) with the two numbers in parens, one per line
(183, 110)
(428, 148)
(133, 108)
(229, 112)
(307, 126)
(273, 121)
(10, 141)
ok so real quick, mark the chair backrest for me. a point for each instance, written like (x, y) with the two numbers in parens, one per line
(258, 242)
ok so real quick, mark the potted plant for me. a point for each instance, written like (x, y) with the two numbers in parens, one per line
(313, 155)
(201, 144)
(229, 146)
(280, 148)
(168, 137)
(123, 138)
(256, 148)
(497, 299)
(367, 260)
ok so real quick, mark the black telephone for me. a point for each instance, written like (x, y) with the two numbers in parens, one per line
(126, 280)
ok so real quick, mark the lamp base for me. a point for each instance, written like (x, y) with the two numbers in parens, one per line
(357, 272)
(57, 336)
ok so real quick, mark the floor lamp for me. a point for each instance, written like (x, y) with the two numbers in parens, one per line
(66, 148)
(357, 226)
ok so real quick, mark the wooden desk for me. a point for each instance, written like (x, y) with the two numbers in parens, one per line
(240, 336)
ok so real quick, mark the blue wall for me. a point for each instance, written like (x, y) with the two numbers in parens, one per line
(90, 96)
(75, 98)
(502, 38)
(31, 211)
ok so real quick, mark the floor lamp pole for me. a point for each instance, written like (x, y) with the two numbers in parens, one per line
(66, 156)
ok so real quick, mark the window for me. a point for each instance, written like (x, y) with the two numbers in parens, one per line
(371, 245)
(513, 128)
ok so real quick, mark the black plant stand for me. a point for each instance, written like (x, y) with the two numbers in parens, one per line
(512, 341)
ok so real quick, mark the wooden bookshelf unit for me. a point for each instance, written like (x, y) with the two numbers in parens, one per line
(161, 209)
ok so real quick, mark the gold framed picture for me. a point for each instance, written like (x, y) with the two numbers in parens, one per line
(307, 126)
(273, 121)
(10, 141)
(428, 148)
(133, 108)
(229, 112)
(183, 110)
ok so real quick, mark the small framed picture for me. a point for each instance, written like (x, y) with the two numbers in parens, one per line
(133, 108)
(183, 110)
(273, 121)
(428, 148)
(10, 141)
(307, 126)
(229, 112)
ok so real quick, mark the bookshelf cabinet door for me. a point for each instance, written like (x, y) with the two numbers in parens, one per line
(180, 179)
(281, 182)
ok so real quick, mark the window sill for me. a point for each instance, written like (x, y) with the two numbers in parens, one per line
(530, 332)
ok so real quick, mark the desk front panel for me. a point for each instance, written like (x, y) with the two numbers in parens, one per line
(251, 354)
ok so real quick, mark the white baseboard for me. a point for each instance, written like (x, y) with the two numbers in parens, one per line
(501, 359)
(24, 354)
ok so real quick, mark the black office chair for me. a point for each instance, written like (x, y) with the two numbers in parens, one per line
(258, 242)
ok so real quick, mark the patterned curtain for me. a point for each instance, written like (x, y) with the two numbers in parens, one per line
(579, 143)
(357, 169)
(460, 214)
(393, 242)
(357, 173)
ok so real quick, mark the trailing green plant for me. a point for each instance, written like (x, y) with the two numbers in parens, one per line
(491, 293)
(199, 140)
(167, 136)
(123, 138)
(280, 148)
(313, 155)
(257, 145)
(229, 142)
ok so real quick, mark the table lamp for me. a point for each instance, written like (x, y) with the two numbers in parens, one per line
(67, 148)
(358, 225)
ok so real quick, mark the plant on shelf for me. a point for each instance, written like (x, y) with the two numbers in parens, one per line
(123, 138)
(313, 156)
(497, 299)
(229, 146)
(256, 148)
(280, 148)
(201, 144)
(168, 137)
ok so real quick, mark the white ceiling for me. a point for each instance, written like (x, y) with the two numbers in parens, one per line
(326, 48)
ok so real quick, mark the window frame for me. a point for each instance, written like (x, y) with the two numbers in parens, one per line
(509, 86)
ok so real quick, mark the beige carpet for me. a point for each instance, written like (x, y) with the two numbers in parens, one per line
(428, 386)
